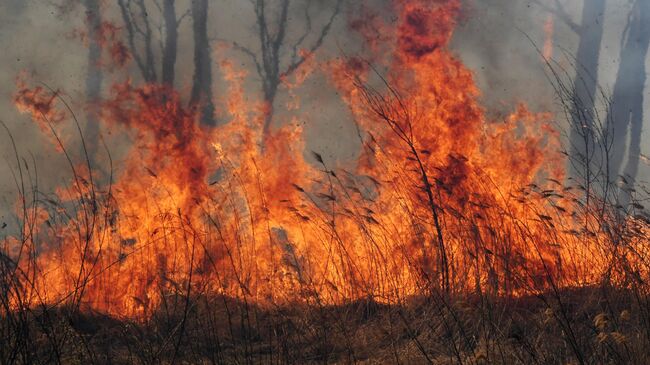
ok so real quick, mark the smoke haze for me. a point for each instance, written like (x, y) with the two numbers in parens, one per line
(496, 39)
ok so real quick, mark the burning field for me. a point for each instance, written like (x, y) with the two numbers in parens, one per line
(199, 227)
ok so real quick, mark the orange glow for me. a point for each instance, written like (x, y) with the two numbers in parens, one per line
(549, 26)
(206, 211)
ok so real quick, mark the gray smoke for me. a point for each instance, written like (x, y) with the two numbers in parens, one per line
(492, 40)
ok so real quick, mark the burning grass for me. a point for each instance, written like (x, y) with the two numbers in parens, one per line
(455, 240)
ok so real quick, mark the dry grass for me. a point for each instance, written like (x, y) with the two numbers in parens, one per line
(603, 323)
(607, 328)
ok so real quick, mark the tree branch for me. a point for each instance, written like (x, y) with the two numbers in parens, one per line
(319, 42)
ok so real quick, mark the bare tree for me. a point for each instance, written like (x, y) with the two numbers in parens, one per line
(135, 31)
(202, 83)
(140, 28)
(271, 62)
(585, 84)
(94, 74)
(171, 41)
(627, 99)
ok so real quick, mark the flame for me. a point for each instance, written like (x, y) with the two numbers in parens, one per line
(549, 26)
(38, 102)
(105, 35)
(208, 211)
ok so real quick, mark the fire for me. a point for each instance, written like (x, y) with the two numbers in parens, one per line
(549, 25)
(38, 102)
(442, 198)
(107, 36)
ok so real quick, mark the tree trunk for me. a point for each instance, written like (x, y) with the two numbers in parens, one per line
(272, 32)
(144, 59)
(93, 76)
(171, 41)
(269, 110)
(627, 99)
(271, 46)
(202, 83)
(585, 87)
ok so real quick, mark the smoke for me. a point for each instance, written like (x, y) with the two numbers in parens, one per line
(496, 39)
(499, 41)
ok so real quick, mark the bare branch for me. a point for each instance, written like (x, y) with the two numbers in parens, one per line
(249, 53)
(182, 17)
(302, 38)
(319, 42)
(128, 23)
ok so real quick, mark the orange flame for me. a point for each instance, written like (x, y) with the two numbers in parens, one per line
(206, 211)
(549, 26)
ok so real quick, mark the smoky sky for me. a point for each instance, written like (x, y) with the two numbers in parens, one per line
(495, 38)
